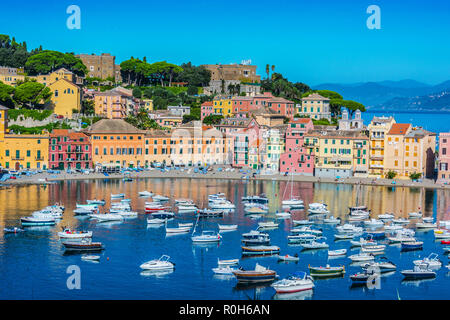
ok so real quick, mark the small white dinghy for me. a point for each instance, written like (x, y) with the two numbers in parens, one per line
(89, 257)
(224, 270)
(162, 263)
(178, 230)
(361, 257)
(287, 257)
(337, 253)
(229, 262)
(302, 222)
(227, 227)
(156, 221)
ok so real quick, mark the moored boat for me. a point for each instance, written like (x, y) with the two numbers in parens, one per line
(162, 263)
(326, 271)
(83, 245)
(260, 274)
(260, 250)
(296, 282)
(68, 233)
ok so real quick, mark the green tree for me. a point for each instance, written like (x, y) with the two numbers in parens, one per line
(192, 90)
(212, 119)
(6, 95)
(48, 61)
(415, 175)
(31, 93)
(137, 93)
(391, 174)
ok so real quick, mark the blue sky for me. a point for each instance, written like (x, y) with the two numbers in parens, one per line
(310, 41)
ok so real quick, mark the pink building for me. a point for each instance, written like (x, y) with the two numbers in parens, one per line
(242, 104)
(444, 158)
(241, 136)
(206, 109)
(69, 150)
(277, 104)
(295, 159)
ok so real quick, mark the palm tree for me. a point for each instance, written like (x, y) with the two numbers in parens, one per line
(267, 70)
(273, 69)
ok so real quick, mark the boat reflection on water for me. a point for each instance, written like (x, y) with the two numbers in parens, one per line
(301, 295)
(224, 277)
(156, 273)
(416, 283)
(108, 224)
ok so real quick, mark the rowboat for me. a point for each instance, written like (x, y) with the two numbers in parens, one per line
(361, 257)
(260, 250)
(228, 227)
(162, 263)
(326, 271)
(83, 245)
(230, 262)
(336, 253)
(260, 274)
(296, 282)
(178, 230)
(416, 245)
(224, 270)
(68, 233)
(289, 258)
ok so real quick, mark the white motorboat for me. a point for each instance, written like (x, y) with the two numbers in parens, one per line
(301, 238)
(308, 230)
(222, 205)
(302, 222)
(96, 201)
(68, 233)
(362, 242)
(349, 228)
(373, 248)
(229, 262)
(268, 224)
(419, 272)
(442, 235)
(88, 257)
(160, 198)
(90, 207)
(162, 263)
(332, 220)
(382, 266)
(38, 219)
(107, 217)
(292, 202)
(145, 193)
(315, 245)
(346, 236)
(386, 216)
(228, 227)
(299, 281)
(357, 218)
(430, 220)
(336, 253)
(415, 215)
(207, 236)
(426, 225)
(361, 257)
(117, 195)
(399, 238)
(393, 227)
(400, 221)
(318, 211)
(373, 223)
(187, 224)
(282, 215)
(55, 213)
(432, 261)
(227, 270)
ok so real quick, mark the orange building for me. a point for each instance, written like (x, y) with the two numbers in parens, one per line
(114, 141)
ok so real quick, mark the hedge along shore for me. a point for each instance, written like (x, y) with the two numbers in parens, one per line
(44, 178)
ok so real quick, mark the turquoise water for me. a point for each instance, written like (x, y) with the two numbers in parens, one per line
(434, 122)
(33, 264)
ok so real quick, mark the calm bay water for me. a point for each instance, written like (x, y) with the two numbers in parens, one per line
(434, 122)
(33, 264)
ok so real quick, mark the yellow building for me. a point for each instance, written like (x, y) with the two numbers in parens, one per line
(338, 153)
(409, 150)
(223, 106)
(66, 97)
(21, 151)
(378, 128)
(61, 73)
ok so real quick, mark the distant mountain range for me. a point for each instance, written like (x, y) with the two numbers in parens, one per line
(400, 95)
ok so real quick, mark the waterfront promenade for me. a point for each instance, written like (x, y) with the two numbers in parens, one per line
(189, 173)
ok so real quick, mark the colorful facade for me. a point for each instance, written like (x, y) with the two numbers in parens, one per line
(316, 107)
(206, 109)
(66, 97)
(223, 106)
(21, 151)
(295, 158)
(115, 141)
(444, 158)
(378, 128)
(69, 150)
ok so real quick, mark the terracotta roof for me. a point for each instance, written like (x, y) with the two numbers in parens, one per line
(399, 128)
(301, 120)
(315, 96)
(113, 126)
(207, 104)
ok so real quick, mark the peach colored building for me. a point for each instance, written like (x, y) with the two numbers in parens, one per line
(409, 150)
